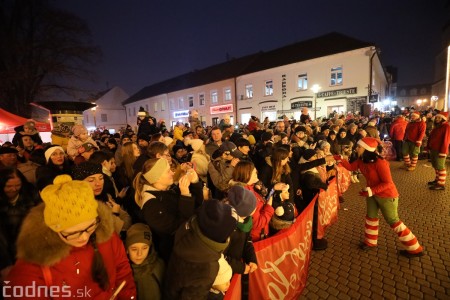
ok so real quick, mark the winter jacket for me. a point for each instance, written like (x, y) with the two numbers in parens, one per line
(398, 128)
(261, 217)
(439, 139)
(164, 212)
(311, 183)
(415, 131)
(19, 133)
(149, 276)
(377, 174)
(220, 172)
(39, 247)
(75, 143)
(265, 175)
(240, 251)
(194, 264)
(178, 133)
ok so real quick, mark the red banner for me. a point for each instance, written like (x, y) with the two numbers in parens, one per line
(234, 291)
(283, 261)
(343, 179)
(328, 208)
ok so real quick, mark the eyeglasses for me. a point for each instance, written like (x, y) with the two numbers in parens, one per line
(75, 235)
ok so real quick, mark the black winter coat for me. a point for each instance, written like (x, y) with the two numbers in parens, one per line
(240, 251)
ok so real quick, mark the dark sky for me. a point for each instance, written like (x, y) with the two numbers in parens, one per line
(147, 41)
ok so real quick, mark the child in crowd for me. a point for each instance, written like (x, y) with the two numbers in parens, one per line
(148, 268)
(80, 136)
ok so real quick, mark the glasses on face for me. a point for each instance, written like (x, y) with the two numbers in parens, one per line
(75, 235)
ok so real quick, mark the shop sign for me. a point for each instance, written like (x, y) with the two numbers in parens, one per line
(181, 114)
(373, 98)
(268, 108)
(220, 109)
(349, 91)
(300, 104)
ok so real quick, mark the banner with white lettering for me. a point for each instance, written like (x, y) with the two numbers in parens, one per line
(234, 291)
(328, 208)
(283, 261)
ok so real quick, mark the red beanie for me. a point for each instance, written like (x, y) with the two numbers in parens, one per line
(368, 143)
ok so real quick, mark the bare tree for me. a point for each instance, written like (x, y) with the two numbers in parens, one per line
(44, 51)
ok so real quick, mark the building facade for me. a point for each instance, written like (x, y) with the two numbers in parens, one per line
(272, 84)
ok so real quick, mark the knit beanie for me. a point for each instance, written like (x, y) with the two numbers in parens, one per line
(138, 233)
(243, 200)
(68, 203)
(368, 143)
(50, 151)
(196, 144)
(159, 168)
(85, 169)
(216, 220)
(78, 129)
(251, 139)
(225, 272)
(266, 136)
(143, 136)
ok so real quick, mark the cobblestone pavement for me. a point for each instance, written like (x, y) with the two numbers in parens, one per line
(343, 271)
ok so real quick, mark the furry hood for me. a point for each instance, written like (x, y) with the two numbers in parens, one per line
(38, 244)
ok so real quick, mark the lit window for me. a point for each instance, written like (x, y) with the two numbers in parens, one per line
(191, 101)
(180, 103)
(155, 106)
(302, 82)
(268, 91)
(172, 104)
(201, 99)
(214, 98)
(163, 106)
(249, 91)
(336, 76)
(227, 93)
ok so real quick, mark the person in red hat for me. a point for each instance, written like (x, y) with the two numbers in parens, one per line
(414, 133)
(438, 142)
(381, 194)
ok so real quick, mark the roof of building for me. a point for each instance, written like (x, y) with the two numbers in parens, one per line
(325, 45)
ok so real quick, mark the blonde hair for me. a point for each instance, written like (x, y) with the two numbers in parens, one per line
(128, 159)
(139, 180)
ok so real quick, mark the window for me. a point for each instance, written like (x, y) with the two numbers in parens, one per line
(403, 93)
(155, 106)
(201, 99)
(227, 94)
(163, 106)
(146, 107)
(172, 104)
(249, 91)
(134, 111)
(191, 101)
(302, 82)
(104, 117)
(180, 102)
(336, 76)
(214, 98)
(423, 91)
(268, 90)
(129, 111)
(413, 92)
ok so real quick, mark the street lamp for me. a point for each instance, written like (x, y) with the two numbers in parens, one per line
(315, 88)
(434, 100)
(419, 102)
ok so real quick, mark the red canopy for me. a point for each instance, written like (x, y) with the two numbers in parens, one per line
(9, 121)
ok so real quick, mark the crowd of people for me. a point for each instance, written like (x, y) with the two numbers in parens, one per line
(171, 213)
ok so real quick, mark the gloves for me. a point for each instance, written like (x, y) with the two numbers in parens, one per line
(418, 144)
(442, 155)
(367, 192)
(364, 193)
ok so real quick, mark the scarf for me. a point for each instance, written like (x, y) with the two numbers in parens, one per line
(247, 225)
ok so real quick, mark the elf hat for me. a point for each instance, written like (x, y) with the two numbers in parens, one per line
(368, 143)
(443, 115)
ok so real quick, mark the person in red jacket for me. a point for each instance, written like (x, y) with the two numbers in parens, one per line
(67, 248)
(381, 194)
(415, 131)
(438, 143)
(397, 134)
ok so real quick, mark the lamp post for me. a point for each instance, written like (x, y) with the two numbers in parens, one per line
(315, 88)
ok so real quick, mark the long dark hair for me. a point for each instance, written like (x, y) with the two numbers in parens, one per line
(9, 173)
(370, 157)
(98, 270)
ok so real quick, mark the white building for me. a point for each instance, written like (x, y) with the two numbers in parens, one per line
(109, 112)
(273, 84)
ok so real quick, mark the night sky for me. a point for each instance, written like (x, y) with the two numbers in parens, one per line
(144, 42)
